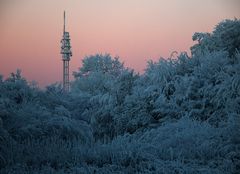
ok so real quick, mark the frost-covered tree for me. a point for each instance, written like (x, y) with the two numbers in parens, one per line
(96, 74)
(100, 63)
(106, 83)
(225, 37)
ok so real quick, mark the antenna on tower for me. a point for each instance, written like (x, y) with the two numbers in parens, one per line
(64, 18)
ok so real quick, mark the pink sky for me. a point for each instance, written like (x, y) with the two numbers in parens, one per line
(134, 30)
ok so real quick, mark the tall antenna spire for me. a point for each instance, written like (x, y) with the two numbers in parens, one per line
(64, 18)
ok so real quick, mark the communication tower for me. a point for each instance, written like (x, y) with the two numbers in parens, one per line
(66, 54)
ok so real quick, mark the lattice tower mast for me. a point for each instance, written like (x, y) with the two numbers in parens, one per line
(66, 54)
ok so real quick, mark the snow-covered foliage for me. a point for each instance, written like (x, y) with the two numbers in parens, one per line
(225, 37)
(181, 116)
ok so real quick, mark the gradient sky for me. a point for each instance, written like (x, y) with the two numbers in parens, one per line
(134, 30)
